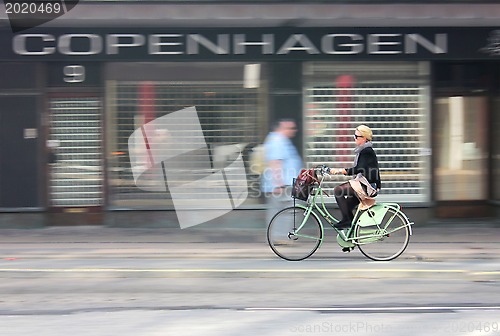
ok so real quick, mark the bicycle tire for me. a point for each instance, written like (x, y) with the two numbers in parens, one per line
(290, 245)
(384, 242)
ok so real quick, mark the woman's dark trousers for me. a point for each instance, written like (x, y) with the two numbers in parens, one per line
(346, 200)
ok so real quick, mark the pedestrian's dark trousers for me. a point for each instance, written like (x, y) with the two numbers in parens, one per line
(346, 200)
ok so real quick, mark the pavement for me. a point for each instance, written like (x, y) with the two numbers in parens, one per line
(446, 252)
(430, 242)
(224, 280)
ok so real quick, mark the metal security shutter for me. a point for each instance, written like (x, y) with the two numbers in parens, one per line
(76, 174)
(392, 99)
(229, 114)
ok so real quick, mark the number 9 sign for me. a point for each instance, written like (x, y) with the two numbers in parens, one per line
(74, 73)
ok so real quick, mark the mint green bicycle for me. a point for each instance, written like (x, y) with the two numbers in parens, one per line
(381, 232)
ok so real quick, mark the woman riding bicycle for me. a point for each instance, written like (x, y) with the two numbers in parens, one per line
(381, 234)
(366, 183)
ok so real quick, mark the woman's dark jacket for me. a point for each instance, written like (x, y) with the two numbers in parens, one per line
(368, 166)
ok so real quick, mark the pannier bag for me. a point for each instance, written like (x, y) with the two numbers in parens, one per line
(302, 184)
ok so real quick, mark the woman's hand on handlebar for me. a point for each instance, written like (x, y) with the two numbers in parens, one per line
(339, 171)
(325, 170)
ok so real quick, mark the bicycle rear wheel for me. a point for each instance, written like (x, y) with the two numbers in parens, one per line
(386, 241)
(293, 237)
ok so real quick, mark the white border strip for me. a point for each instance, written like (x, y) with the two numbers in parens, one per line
(377, 309)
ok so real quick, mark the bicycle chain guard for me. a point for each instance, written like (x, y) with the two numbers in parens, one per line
(372, 216)
(343, 243)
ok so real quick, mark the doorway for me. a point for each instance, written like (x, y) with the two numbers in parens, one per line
(19, 180)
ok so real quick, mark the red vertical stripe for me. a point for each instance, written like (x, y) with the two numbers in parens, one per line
(146, 108)
(147, 101)
(344, 97)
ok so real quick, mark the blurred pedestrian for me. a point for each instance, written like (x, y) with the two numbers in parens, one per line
(366, 183)
(283, 164)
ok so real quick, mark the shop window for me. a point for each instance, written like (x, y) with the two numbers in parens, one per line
(461, 153)
(392, 99)
(229, 112)
(495, 150)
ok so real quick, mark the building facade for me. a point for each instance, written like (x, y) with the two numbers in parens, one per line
(73, 91)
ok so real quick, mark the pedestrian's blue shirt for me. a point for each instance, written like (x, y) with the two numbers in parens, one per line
(279, 147)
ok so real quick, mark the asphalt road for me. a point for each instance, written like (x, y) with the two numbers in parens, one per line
(110, 281)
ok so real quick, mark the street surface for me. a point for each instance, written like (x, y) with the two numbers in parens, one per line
(122, 281)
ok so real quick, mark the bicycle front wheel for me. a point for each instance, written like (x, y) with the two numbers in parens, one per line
(387, 240)
(292, 236)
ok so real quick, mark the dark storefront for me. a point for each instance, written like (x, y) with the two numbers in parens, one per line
(71, 98)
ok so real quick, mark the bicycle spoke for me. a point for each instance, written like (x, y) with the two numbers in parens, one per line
(386, 240)
(292, 236)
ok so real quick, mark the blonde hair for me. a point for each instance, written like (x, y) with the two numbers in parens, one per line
(365, 131)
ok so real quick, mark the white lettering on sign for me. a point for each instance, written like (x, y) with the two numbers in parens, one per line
(225, 44)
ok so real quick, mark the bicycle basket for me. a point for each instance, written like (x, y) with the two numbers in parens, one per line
(302, 184)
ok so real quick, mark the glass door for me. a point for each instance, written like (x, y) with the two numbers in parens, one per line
(461, 153)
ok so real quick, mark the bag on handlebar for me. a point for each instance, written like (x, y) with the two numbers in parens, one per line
(302, 184)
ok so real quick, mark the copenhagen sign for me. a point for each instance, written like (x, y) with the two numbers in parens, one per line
(179, 45)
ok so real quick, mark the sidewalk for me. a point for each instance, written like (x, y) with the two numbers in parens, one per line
(430, 242)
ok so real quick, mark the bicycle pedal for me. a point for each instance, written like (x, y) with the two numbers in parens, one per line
(347, 249)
